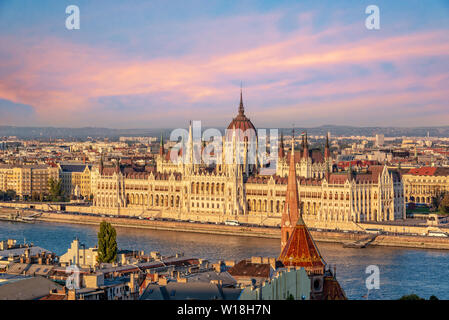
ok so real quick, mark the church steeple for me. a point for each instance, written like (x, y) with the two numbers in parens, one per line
(297, 245)
(291, 209)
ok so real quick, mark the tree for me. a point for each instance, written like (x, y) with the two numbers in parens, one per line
(55, 189)
(107, 244)
(35, 196)
(432, 297)
(411, 297)
(444, 204)
(11, 194)
(436, 200)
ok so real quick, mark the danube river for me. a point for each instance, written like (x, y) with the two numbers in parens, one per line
(402, 271)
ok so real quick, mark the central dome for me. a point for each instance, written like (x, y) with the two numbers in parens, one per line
(241, 121)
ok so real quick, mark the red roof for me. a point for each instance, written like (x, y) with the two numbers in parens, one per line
(301, 251)
(424, 171)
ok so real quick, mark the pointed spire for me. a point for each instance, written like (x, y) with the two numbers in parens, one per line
(190, 143)
(326, 148)
(241, 108)
(234, 146)
(306, 148)
(281, 147)
(161, 146)
(291, 212)
(297, 245)
(117, 168)
(101, 164)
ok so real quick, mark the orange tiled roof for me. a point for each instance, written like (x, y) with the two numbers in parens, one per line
(301, 250)
(424, 171)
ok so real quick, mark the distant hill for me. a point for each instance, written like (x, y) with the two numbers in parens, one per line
(83, 133)
(371, 131)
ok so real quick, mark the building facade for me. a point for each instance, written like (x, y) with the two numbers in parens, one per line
(425, 183)
(234, 189)
(27, 180)
(75, 179)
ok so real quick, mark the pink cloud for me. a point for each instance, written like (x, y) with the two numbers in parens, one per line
(58, 77)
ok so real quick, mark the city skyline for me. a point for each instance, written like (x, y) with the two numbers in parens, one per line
(158, 65)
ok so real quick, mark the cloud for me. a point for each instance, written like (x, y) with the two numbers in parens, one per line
(308, 74)
(16, 113)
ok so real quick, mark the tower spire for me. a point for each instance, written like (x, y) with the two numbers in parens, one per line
(297, 245)
(190, 144)
(306, 147)
(161, 146)
(241, 108)
(281, 146)
(291, 212)
(101, 164)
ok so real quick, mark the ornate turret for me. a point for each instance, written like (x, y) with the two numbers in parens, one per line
(101, 165)
(161, 147)
(281, 147)
(305, 153)
(117, 167)
(326, 148)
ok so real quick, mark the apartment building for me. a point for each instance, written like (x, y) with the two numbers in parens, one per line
(27, 180)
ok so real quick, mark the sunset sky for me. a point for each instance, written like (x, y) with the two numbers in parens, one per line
(153, 64)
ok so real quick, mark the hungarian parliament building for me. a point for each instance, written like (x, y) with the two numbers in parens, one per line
(234, 190)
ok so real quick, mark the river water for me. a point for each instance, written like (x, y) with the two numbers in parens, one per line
(402, 271)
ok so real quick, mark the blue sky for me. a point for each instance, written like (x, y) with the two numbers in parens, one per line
(161, 63)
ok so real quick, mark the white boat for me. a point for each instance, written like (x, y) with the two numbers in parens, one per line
(232, 223)
(437, 234)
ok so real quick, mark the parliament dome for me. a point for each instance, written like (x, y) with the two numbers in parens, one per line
(241, 121)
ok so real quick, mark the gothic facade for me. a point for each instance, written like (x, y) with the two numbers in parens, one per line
(233, 188)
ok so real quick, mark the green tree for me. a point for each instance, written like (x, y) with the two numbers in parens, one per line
(107, 244)
(35, 196)
(436, 200)
(11, 194)
(432, 297)
(55, 189)
(411, 297)
(444, 204)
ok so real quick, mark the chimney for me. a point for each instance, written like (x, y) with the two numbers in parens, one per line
(71, 294)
